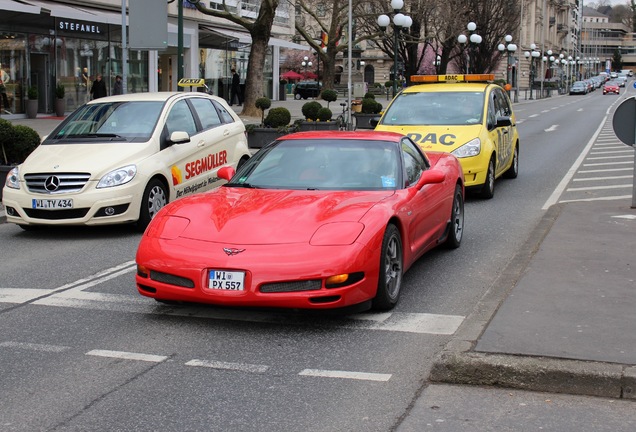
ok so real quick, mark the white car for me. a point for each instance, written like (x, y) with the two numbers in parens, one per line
(120, 159)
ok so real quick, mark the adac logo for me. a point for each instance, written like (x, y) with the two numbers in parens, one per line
(176, 175)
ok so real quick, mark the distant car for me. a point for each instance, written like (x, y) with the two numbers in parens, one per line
(466, 115)
(611, 87)
(621, 80)
(306, 89)
(120, 159)
(314, 220)
(578, 87)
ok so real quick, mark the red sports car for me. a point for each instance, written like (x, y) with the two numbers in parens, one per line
(611, 87)
(314, 220)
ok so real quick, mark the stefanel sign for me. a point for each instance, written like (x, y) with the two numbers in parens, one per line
(79, 27)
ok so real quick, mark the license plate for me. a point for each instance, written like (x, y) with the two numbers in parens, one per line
(52, 204)
(226, 280)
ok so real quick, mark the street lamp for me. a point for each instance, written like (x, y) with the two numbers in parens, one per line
(474, 38)
(510, 48)
(531, 56)
(305, 64)
(436, 63)
(400, 22)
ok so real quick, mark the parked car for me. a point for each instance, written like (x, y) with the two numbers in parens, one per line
(120, 159)
(611, 87)
(306, 89)
(578, 87)
(314, 220)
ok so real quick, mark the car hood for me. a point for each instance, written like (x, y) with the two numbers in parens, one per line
(437, 138)
(257, 216)
(96, 159)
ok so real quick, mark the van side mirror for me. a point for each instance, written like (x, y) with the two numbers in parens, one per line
(179, 137)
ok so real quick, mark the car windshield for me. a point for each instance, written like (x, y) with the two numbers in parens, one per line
(435, 108)
(317, 164)
(125, 121)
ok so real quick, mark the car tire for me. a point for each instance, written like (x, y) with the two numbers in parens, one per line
(513, 171)
(456, 223)
(155, 197)
(297, 96)
(488, 190)
(241, 162)
(391, 270)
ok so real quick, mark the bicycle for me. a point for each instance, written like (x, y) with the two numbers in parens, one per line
(342, 118)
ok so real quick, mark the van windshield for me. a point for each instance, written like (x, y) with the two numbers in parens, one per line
(117, 121)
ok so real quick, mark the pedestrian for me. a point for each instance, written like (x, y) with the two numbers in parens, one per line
(98, 90)
(4, 79)
(118, 87)
(235, 90)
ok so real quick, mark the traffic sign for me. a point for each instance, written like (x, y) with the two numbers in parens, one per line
(624, 121)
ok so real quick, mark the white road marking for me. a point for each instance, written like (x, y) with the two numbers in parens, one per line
(34, 346)
(127, 355)
(21, 295)
(608, 157)
(533, 115)
(551, 128)
(604, 170)
(602, 178)
(605, 152)
(607, 198)
(599, 188)
(345, 374)
(242, 367)
(627, 216)
(608, 163)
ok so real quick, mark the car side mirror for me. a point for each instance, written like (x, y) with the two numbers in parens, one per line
(432, 176)
(503, 121)
(179, 137)
(226, 173)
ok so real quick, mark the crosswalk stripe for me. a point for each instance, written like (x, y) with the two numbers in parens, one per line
(127, 355)
(345, 374)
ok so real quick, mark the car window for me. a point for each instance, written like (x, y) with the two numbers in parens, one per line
(208, 115)
(502, 104)
(414, 162)
(180, 119)
(226, 117)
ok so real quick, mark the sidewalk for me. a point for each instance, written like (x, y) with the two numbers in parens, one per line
(561, 317)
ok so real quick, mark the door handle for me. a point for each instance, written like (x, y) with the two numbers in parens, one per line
(226, 132)
(201, 144)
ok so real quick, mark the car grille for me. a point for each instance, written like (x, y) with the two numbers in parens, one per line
(171, 279)
(56, 214)
(54, 183)
(309, 285)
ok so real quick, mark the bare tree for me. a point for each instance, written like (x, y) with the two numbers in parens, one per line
(260, 29)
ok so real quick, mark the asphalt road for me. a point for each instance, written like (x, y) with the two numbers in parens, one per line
(80, 350)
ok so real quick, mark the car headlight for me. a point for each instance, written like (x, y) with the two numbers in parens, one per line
(118, 177)
(471, 148)
(13, 179)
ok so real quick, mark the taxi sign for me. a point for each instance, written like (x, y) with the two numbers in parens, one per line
(191, 82)
(452, 78)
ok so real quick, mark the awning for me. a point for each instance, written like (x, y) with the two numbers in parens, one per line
(211, 38)
(75, 12)
(13, 6)
(245, 39)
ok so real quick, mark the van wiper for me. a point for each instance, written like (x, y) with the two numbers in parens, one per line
(96, 135)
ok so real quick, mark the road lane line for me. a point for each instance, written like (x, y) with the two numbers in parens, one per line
(607, 198)
(605, 170)
(320, 373)
(242, 367)
(602, 178)
(608, 163)
(96, 275)
(625, 186)
(127, 355)
(34, 346)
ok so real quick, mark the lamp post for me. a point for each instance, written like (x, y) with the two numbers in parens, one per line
(531, 56)
(305, 64)
(436, 63)
(475, 39)
(400, 22)
(510, 48)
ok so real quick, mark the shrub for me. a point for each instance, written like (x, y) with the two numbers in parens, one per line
(263, 103)
(7, 137)
(369, 96)
(32, 93)
(388, 84)
(60, 91)
(277, 117)
(377, 85)
(370, 106)
(324, 114)
(329, 96)
(310, 110)
(23, 141)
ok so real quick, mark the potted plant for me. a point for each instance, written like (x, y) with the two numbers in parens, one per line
(329, 95)
(370, 109)
(317, 117)
(60, 102)
(16, 143)
(276, 124)
(32, 102)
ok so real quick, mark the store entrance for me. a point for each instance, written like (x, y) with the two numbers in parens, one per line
(40, 80)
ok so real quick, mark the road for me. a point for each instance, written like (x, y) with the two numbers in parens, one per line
(80, 350)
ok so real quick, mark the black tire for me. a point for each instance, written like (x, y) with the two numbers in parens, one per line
(297, 96)
(154, 199)
(456, 223)
(513, 171)
(241, 162)
(391, 270)
(488, 190)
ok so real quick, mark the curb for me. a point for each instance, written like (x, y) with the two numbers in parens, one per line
(457, 363)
